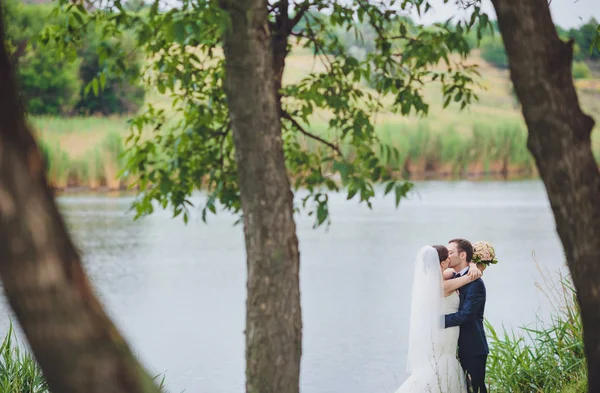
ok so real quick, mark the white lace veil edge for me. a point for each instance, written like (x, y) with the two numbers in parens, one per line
(426, 314)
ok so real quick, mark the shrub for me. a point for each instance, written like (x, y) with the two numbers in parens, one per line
(48, 82)
(121, 93)
(492, 51)
(581, 70)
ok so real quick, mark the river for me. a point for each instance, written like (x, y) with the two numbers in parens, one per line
(177, 292)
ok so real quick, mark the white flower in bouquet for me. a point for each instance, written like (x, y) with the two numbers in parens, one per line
(484, 253)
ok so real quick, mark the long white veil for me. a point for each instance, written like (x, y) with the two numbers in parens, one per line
(426, 317)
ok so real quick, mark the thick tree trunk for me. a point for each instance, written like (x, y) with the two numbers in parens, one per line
(559, 138)
(76, 344)
(273, 316)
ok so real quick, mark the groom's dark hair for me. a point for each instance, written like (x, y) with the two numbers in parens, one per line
(464, 245)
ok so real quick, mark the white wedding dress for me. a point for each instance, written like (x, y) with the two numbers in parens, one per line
(432, 360)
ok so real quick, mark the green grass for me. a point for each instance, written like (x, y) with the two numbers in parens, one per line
(579, 385)
(549, 358)
(19, 372)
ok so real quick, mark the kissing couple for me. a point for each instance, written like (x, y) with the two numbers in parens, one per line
(447, 348)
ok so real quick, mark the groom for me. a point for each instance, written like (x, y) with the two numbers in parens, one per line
(472, 344)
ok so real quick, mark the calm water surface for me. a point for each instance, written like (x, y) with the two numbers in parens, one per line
(178, 292)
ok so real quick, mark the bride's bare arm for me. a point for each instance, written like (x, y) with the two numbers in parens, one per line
(452, 285)
(448, 274)
(474, 271)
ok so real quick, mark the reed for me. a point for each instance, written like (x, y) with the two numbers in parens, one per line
(549, 358)
(92, 158)
(19, 372)
(95, 167)
(427, 148)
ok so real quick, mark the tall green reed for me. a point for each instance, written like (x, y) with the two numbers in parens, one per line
(425, 146)
(19, 372)
(90, 169)
(431, 147)
(549, 358)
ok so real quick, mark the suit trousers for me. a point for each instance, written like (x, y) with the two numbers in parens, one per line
(475, 369)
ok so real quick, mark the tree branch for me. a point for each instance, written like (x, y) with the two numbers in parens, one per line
(302, 9)
(19, 52)
(299, 127)
(319, 50)
(224, 132)
(377, 28)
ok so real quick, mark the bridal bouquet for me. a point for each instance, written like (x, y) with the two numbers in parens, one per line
(483, 252)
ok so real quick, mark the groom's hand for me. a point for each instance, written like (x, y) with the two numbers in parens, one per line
(474, 272)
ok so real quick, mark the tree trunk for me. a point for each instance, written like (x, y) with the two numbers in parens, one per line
(273, 315)
(559, 138)
(75, 343)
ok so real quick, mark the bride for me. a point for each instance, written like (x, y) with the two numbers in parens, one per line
(432, 360)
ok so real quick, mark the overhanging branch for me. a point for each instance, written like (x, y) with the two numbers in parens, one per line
(299, 127)
(19, 52)
(302, 9)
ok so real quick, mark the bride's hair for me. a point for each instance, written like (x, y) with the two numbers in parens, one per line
(442, 252)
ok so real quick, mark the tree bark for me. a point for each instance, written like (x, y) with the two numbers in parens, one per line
(273, 314)
(559, 139)
(75, 343)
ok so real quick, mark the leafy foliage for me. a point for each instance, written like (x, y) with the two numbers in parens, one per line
(48, 81)
(49, 85)
(52, 81)
(121, 93)
(586, 38)
(173, 153)
(581, 70)
(586, 46)
(492, 51)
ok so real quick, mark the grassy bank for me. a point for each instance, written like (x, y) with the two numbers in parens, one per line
(88, 152)
(82, 152)
(487, 139)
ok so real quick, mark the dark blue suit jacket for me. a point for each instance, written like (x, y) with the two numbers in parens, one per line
(471, 340)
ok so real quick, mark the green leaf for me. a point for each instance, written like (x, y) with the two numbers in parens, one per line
(95, 86)
(352, 190)
(87, 89)
(119, 6)
(102, 81)
(401, 191)
(447, 101)
(596, 41)
(322, 213)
